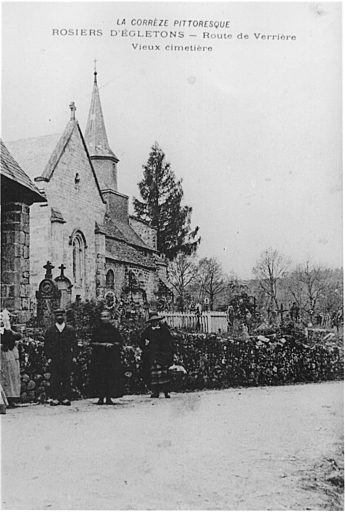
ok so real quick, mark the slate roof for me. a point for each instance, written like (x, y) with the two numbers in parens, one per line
(95, 133)
(166, 283)
(12, 170)
(124, 253)
(34, 153)
(58, 150)
(123, 231)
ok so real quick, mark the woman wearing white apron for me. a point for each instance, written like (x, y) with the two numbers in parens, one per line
(9, 358)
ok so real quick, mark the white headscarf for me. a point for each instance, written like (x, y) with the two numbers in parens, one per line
(5, 317)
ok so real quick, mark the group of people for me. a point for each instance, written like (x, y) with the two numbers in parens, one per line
(106, 372)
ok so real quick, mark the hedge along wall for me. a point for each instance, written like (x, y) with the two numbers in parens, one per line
(211, 363)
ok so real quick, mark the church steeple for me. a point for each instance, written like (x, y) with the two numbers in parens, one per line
(103, 158)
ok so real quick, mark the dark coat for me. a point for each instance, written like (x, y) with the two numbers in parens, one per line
(8, 340)
(61, 348)
(158, 351)
(106, 373)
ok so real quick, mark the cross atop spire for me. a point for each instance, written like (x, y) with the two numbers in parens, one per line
(95, 70)
(73, 109)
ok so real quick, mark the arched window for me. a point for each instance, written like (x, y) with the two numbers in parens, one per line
(78, 244)
(132, 279)
(141, 280)
(109, 279)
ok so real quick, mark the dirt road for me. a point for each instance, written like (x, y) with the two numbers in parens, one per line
(237, 449)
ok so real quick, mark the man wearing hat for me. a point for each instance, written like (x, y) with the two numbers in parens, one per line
(157, 356)
(60, 348)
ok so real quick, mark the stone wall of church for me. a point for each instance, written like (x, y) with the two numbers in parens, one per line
(117, 205)
(15, 262)
(40, 243)
(146, 232)
(57, 244)
(106, 171)
(119, 277)
(152, 287)
(146, 278)
(72, 191)
(162, 268)
(100, 263)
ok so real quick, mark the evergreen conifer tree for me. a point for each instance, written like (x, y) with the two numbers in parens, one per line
(161, 207)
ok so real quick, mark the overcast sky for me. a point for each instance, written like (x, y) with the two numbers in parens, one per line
(253, 127)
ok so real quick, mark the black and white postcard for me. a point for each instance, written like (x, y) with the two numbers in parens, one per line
(172, 252)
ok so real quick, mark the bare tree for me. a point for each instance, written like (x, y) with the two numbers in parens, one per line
(332, 299)
(314, 288)
(212, 280)
(270, 269)
(233, 287)
(182, 273)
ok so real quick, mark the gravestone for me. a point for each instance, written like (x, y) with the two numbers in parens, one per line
(65, 287)
(48, 297)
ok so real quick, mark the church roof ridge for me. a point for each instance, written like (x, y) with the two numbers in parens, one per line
(58, 151)
(95, 132)
(60, 148)
(48, 135)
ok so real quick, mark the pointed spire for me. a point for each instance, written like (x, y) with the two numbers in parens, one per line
(95, 133)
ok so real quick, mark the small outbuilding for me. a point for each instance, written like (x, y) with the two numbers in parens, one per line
(18, 193)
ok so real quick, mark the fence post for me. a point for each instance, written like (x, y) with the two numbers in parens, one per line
(209, 322)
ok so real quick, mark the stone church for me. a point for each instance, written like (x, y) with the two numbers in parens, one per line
(84, 228)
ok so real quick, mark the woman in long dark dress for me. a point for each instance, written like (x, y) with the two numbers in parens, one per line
(158, 355)
(106, 379)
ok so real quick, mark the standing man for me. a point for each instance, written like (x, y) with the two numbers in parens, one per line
(60, 349)
(157, 356)
(106, 380)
